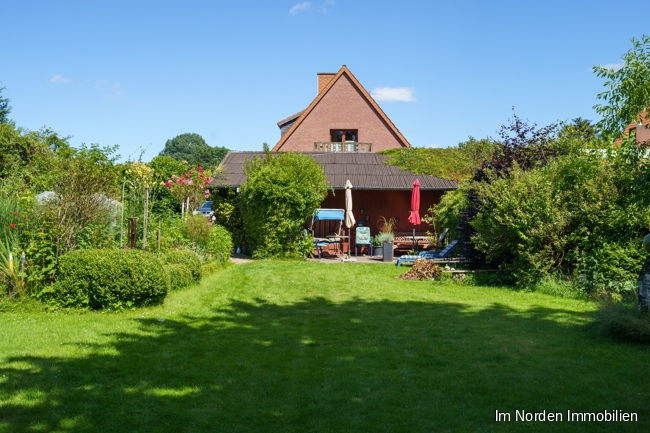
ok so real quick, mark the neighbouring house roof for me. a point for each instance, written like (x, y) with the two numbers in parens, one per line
(302, 115)
(364, 170)
(642, 127)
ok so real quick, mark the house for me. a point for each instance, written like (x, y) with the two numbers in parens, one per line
(640, 127)
(343, 128)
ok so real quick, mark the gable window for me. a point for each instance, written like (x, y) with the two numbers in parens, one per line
(344, 136)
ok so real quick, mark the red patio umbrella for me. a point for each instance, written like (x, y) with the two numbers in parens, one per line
(414, 218)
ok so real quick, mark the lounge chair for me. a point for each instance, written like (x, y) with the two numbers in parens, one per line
(429, 254)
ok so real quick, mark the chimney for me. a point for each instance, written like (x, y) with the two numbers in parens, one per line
(324, 79)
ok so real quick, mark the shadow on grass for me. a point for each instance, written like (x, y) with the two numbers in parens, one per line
(320, 366)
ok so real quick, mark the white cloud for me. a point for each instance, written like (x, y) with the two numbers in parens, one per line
(59, 79)
(614, 66)
(393, 94)
(299, 7)
(108, 90)
(324, 9)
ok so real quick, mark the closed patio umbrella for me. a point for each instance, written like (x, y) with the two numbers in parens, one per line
(349, 217)
(414, 218)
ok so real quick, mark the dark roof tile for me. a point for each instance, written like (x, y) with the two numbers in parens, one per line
(364, 170)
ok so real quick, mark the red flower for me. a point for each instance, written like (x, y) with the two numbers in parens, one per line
(12, 225)
(15, 213)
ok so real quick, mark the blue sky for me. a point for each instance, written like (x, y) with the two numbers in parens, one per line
(137, 73)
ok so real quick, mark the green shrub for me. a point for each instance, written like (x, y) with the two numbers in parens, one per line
(197, 228)
(180, 275)
(115, 279)
(186, 258)
(210, 268)
(621, 321)
(280, 192)
(219, 245)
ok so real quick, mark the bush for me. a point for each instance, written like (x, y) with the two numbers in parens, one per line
(219, 244)
(210, 268)
(281, 191)
(197, 228)
(115, 279)
(180, 276)
(186, 258)
(621, 321)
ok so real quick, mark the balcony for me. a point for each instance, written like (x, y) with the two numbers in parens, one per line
(348, 146)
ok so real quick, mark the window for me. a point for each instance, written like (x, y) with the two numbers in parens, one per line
(344, 136)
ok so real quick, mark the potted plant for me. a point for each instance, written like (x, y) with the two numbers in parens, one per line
(387, 236)
(377, 245)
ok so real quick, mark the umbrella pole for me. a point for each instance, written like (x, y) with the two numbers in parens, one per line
(415, 247)
(349, 242)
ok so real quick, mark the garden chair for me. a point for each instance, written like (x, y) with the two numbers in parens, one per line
(429, 254)
(363, 239)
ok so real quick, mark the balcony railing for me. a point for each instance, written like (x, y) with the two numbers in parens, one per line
(328, 146)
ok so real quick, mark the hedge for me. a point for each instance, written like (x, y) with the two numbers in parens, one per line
(180, 275)
(186, 258)
(114, 279)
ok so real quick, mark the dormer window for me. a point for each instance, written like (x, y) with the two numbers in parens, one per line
(344, 136)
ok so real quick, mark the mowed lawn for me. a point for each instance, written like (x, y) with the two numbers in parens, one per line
(308, 347)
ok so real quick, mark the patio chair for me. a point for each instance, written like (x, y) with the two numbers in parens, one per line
(429, 254)
(363, 239)
(442, 237)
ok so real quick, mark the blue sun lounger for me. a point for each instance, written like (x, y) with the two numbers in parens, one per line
(429, 254)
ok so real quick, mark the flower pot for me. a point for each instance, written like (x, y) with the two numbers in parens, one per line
(388, 251)
(378, 250)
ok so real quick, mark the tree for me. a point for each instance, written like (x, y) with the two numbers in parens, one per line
(579, 129)
(280, 192)
(5, 109)
(628, 88)
(193, 149)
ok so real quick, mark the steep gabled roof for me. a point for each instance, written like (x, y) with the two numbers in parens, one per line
(319, 97)
(364, 170)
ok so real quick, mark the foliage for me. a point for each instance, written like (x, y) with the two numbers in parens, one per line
(27, 159)
(628, 88)
(386, 225)
(83, 189)
(219, 244)
(5, 109)
(180, 275)
(192, 185)
(187, 258)
(452, 163)
(197, 229)
(576, 216)
(521, 144)
(227, 213)
(280, 193)
(108, 279)
(193, 149)
(621, 321)
(582, 130)
(163, 169)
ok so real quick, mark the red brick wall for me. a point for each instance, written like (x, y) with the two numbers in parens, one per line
(387, 203)
(343, 107)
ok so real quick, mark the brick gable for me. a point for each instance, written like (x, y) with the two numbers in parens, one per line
(342, 103)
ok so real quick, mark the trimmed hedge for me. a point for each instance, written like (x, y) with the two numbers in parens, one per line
(186, 258)
(180, 275)
(115, 279)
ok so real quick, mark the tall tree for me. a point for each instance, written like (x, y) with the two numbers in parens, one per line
(5, 109)
(193, 149)
(628, 88)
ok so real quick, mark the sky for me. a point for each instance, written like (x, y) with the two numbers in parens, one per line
(137, 73)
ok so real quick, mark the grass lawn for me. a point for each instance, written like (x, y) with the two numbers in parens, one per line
(302, 347)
